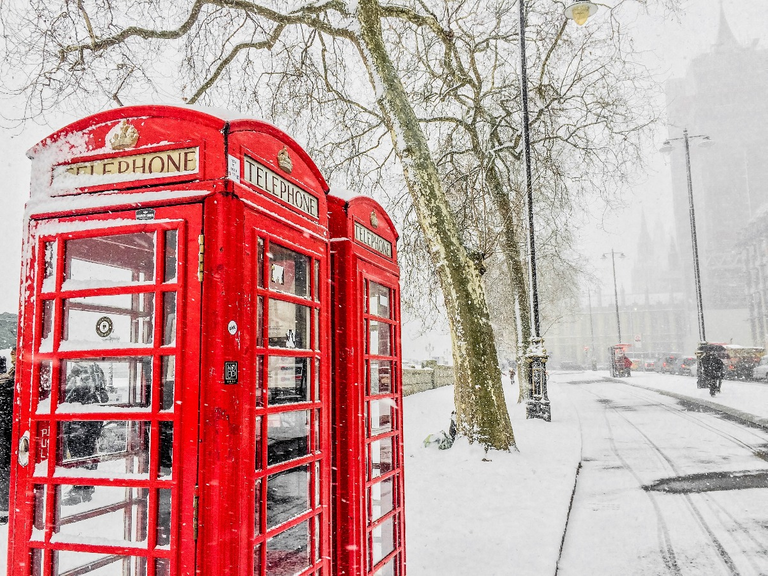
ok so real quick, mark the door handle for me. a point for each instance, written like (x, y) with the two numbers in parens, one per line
(24, 449)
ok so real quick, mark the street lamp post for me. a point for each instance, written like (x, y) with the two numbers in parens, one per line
(593, 362)
(667, 147)
(537, 404)
(615, 289)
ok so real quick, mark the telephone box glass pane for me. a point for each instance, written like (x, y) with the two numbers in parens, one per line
(380, 339)
(109, 260)
(166, 449)
(167, 382)
(163, 517)
(162, 567)
(84, 563)
(260, 264)
(288, 325)
(36, 561)
(381, 377)
(288, 271)
(288, 380)
(38, 520)
(103, 449)
(383, 539)
(287, 495)
(287, 436)
(381, 416)
(381, 457)
(109, 321)
(381, 499)
(289, 552)
(46, 332)
(317, 280)
(112, 515)
(257, 560)
(379, 300)
(171, 251)
(257, 509)
(257, 445)
(49, 267)
(169, 318)
(259, 322)
(259, 380)
(44, 388)
(114, 382)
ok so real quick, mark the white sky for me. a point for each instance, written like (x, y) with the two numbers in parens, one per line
(670, 44)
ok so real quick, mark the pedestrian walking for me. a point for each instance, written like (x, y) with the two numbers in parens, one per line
(7, 386)
(712, 368)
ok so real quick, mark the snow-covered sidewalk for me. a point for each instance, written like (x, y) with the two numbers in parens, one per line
(468, 512)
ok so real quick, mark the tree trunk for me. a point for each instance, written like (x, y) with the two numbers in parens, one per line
(481, 412)
(510, 247)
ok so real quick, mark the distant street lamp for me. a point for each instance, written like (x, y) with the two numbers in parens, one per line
(615, 290)
(666, 148)
(537, 404)
(593, 360)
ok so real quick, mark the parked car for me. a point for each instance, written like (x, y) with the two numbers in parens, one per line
(649, 364)
(666, 364)
(761, 370)
(683, 365)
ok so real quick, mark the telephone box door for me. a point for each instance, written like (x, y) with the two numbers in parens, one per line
(107, 431)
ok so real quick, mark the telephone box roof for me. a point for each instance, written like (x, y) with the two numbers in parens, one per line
(209, 117)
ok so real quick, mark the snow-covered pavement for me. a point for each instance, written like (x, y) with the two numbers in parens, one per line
(665, 488)
(471, 513)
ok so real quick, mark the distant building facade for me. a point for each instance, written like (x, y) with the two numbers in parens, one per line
(755, 249)
(723, 96)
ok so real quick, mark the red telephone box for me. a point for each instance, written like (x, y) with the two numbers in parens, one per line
(369, 532)
(174, 364)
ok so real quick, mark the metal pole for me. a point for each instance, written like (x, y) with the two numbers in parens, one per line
(591, 329)
(535, 326)
(537, 404)
(616, 295)
(694, 243)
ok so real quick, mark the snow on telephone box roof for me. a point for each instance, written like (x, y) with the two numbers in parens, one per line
(146, 155)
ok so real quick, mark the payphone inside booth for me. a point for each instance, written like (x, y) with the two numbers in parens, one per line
(368, 484)
(174, 365)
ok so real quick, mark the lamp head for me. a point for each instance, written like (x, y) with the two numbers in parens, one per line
(580, 11)
(666, 147)
(706, 142)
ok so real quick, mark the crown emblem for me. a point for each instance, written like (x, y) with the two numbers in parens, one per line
(123, 136)
(284, 160)
(374, 220)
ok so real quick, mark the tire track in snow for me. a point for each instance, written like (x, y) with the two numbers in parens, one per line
(682, 412)
(666, 549)
(728, 562)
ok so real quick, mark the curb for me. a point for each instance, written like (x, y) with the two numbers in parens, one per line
(567, 517)
(733, 412)
(573, 492)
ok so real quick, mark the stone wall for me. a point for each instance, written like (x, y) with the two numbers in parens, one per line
(431, 376)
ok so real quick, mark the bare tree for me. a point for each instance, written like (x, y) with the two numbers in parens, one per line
(82, 50)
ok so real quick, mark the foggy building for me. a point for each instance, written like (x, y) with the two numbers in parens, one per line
(723, 96)
(755, 245)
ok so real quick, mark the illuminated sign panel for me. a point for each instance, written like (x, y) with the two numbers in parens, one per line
(374, 241)
(269, 181)
(126, 168)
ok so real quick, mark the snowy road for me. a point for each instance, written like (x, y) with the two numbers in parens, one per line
(664, 488)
